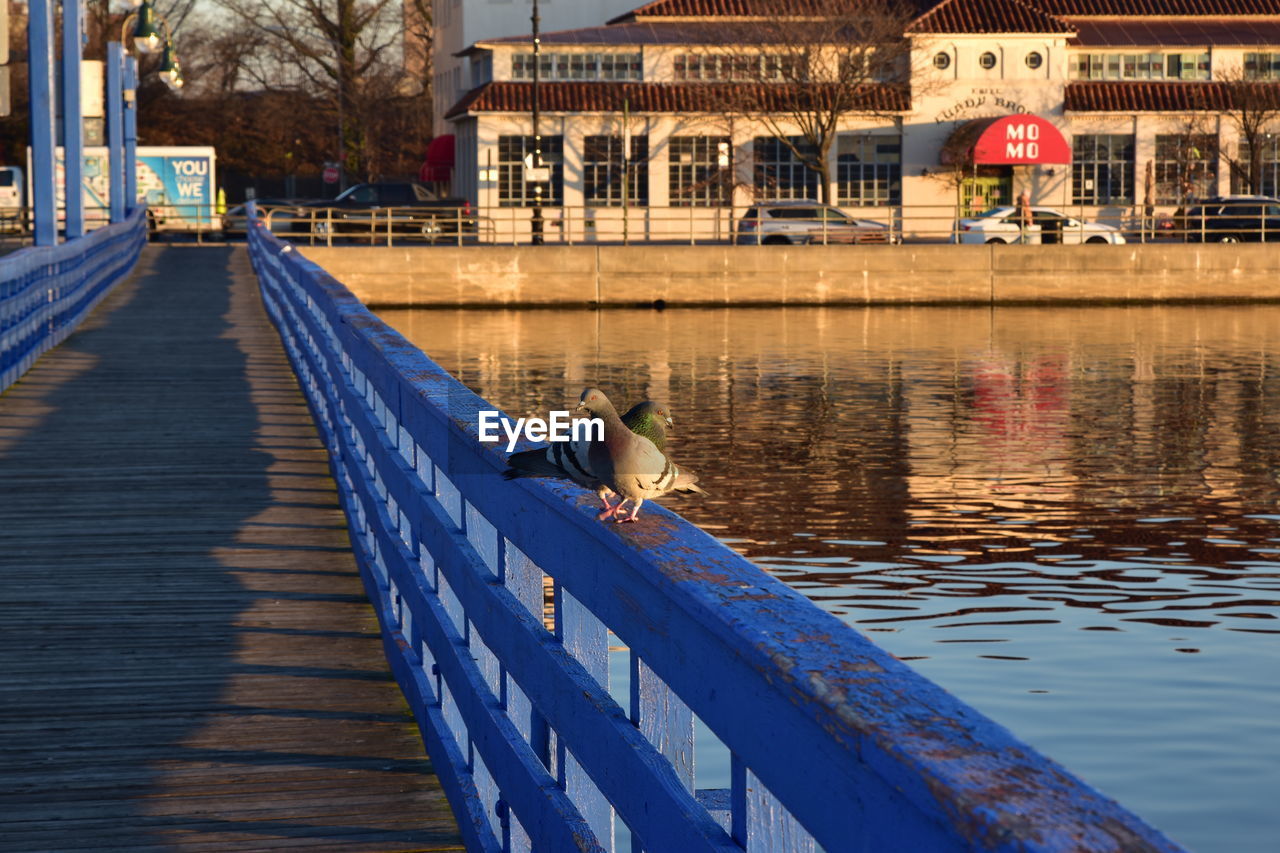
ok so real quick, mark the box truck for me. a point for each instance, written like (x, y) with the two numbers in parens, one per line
(176, 181)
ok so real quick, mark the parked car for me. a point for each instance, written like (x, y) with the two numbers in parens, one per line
(1234, 219)
(235, 222)
(1003, 225)
(406, 209)
(803, 221)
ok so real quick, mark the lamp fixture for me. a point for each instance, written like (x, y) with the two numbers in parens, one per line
(168, 69)
(146, 33)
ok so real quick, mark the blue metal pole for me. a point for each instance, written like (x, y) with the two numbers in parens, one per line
(72, 119)
(40, 68)
(115, 130)
(130, 132)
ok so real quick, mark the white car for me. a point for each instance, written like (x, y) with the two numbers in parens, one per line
(1002, 225)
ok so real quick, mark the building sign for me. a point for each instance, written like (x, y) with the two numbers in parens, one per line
(1020, 140)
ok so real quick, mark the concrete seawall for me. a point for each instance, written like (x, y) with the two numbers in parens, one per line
(802, 275)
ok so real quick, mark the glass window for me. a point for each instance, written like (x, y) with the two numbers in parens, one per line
(604, 169)
(1262, 66)
(1102, 167)
(1034, 60)
(513, 189)
(1270, 162)
(869, 169)
(942, 61)
(394, 194)
(700, 173)
(779, 173)
(578, 66)
(793, 213)
(1145, 66)
(1186, 167)
(987, 60)
(722, 66)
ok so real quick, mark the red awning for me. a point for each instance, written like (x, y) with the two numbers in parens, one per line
(1017, 140)
(438, 165)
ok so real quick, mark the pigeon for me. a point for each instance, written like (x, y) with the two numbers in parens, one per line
(629, 465)
(568, 460)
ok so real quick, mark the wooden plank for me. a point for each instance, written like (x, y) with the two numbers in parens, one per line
(188, 658)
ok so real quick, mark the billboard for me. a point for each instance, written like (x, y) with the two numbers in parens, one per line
(176, 181)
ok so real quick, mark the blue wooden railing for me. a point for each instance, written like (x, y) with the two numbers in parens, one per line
(45, 291)
(497, 600)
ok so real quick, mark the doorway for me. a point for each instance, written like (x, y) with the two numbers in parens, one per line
(983, 192)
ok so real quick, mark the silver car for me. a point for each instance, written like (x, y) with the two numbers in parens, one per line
(803, 221)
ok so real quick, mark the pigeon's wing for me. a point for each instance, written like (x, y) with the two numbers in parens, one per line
(566, 460)
(686, 481)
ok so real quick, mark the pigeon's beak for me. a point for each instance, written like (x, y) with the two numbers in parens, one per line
(670, 423)
(581, 407)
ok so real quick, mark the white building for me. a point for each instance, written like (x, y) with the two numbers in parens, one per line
(461, 23)
(1117, 109)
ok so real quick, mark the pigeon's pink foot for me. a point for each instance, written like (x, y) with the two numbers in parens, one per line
(611, 512)
(605, 500)
(635, 513)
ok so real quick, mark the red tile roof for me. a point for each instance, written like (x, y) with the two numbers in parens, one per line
(987, 16)
(702, 8)
(1114, 97)
(1052, 8)
(1188, 32)
(1162, 8)
(509, 97)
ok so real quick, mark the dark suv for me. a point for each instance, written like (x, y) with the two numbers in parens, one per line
(1234, 219)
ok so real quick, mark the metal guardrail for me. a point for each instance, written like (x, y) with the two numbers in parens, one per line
(832, 741)
(565, 225)
(46, 291)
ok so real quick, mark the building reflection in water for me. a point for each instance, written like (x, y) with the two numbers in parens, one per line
(1035, 505)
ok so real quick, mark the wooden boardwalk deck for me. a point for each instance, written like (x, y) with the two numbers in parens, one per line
(187, 660)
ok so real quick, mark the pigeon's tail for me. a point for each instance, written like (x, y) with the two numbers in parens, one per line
(531, 463)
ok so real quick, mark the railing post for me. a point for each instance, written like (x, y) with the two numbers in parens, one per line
(40, 69)
(130, 133)
(72, 122)
(115, 131)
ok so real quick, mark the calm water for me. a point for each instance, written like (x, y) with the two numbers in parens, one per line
(1067, 517)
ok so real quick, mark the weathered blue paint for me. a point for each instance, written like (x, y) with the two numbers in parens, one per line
(40, 86)
(72, 120)
(115, 131)
(130, 133)
(833, 740)
(45, 291)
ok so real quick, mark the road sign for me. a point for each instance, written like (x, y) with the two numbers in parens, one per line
(330, 174)
(540, 175)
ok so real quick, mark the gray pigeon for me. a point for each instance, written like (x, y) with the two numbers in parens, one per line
(567, 460)
(629, 464)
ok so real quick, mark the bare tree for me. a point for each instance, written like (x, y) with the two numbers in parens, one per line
(802, 67)
(345, 49)
(1253, 107)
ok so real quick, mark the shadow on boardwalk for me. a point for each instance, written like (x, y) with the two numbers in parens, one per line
(187, 659)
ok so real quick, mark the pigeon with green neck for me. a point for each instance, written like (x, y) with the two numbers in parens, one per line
(630, 465)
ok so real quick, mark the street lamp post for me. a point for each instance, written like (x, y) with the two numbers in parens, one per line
(40, 68)
(72, 120)
(535, 222)
(150, 33)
